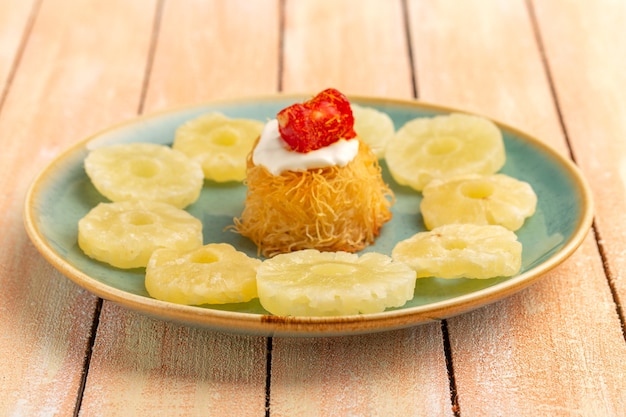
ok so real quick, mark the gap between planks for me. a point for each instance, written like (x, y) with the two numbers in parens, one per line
(88, 355)
(28, 28)
(156, 26)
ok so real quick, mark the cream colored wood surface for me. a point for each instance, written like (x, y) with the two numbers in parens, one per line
(523, 353)
(217, 48)
(14, 22)
(142, 366)
(400, 373)
(358, 45)
(482, 56)
(593, 112)
(552, 68)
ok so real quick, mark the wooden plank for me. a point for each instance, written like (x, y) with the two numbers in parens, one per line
(356, 45)
(399, 373)
(215, 49)
(589, 34)
(143, 366)
(539, 352)
(14, 21)
(176, 368)
(543, 352)
(69, 82)
(495, 83)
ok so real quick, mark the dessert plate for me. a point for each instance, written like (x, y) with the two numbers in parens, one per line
(62, 194)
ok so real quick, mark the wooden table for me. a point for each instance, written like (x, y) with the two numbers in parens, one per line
(553, 68)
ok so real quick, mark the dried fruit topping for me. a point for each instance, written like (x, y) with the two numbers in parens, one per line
(319, 122)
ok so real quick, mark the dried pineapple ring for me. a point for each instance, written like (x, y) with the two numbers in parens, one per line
(442, 147)
(462, 251)
(492, 199)
(220, 144)
(125, 234)
(213, 274)
(144, 171)
(314, 283)
(373, 127)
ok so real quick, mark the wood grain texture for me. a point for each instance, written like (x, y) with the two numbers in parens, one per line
(358, 46)
(588, 35)
(399, 373)
(215, 49)
(516, 358)
(65, 72)
(143, 366)
(512, 357)
(552, 68)
(203, 52)
(483, 57)
(14, 23)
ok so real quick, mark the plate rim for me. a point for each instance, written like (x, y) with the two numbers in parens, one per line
(298, 326)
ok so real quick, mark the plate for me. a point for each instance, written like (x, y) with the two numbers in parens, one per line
(62, 194)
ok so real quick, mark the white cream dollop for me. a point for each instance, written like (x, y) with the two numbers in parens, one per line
(272, 152)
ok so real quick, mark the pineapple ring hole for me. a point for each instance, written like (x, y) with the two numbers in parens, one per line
(443, 145)
(223, 136)
(477, 189)
(144, 168)
(139, 218)
(204, 257)
(334, 269)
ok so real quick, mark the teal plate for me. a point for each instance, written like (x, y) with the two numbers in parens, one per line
(62, 194)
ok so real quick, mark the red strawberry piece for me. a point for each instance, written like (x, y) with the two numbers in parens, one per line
(317, 123)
